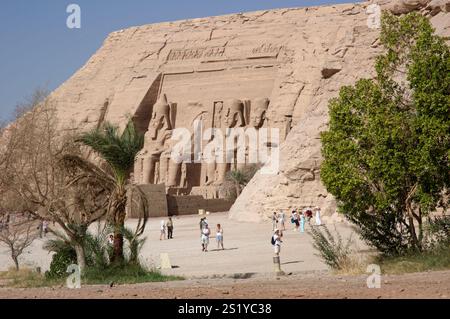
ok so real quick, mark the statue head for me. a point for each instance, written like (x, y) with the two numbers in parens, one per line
(234, 114)
(160, 117)
(258, 112)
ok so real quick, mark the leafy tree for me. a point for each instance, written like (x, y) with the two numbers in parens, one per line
(386, 153)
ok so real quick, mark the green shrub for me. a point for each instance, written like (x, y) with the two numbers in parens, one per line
(62, 258)
(437, 233)
(331, 250)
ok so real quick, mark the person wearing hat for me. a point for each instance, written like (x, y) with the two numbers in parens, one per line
(276, 241)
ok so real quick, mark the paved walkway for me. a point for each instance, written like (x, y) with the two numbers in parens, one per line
(247, 248)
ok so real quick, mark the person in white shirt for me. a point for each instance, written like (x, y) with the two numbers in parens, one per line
(318, 220)
(219, 236)
(281, 220)
(205, 238)
(274, 221)
(277, 241)
(163, 230)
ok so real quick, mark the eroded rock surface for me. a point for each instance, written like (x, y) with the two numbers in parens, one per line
(295, 58)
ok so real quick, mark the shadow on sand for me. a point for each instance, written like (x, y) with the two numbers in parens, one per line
(293, 262)
(215, 249)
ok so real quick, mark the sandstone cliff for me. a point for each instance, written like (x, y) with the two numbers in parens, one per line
(298, 183)
(304, 54)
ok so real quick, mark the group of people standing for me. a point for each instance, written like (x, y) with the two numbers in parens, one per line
(166, 225)
(298, 217)
(205, 232)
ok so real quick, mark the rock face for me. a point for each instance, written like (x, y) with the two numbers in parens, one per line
(293, 59)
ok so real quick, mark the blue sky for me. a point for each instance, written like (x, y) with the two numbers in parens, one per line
(38, 50)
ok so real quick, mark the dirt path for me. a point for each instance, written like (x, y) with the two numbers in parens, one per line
(304, 285)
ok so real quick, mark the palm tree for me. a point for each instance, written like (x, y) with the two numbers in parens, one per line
(119, 152)
(239, 180)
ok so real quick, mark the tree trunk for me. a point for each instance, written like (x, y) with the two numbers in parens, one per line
(420, 221)
(412, 229)
(16, 261)
(118, 237)
(117, 256)
(119, 224)
(81, 257)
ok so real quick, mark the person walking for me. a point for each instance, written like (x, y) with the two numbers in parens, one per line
(45, 227)
(302, 222)
(295, 220)
(274, 221)
(162, 230)
(203, 223)
(169, 225)
(318, 220)
(281, 218)
(205, 238)
(219, 236)
(276, 241)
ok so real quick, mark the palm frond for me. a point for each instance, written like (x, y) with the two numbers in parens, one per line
(119, 151)
(84, 169)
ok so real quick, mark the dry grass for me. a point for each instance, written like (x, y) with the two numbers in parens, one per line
(24, 278)
(354, 265)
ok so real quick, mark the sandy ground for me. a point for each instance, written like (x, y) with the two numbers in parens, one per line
(295, 286)
(248, 255)
(247, 248)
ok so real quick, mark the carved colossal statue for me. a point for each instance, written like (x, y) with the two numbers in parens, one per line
(233, 117)
(258, 112)
(257, 119)
(159, 131)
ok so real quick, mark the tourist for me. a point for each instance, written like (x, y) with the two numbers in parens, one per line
(169, 228)
(45, 227)
(276, 241)
(318, 220)
(274, 221)
(294, 219)
(302, 222)
(205, 238)
(111, 239)
(219, 236)
(203, 223)
(281, 220)
(163, 230)
(308, 214)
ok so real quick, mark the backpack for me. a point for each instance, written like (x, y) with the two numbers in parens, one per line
(272, 241)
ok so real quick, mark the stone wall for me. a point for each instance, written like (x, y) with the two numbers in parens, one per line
(156, 201)
(188, 205)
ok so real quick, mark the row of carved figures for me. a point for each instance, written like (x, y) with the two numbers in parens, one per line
(153, 164)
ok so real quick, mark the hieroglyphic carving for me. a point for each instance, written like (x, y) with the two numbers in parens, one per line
(267, 48)
(197, 53)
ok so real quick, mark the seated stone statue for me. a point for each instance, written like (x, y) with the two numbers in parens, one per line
(159, 131)
(233, 117)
